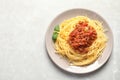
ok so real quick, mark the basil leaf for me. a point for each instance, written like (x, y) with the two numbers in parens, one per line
(54, 36)
(57, 28)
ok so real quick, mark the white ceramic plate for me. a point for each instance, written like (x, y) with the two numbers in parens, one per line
(61, 62)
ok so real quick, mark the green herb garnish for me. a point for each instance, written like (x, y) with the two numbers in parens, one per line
(54, 36)
(57, 28)
(55, 33)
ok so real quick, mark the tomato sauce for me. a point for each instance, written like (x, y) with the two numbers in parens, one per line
(82, 37)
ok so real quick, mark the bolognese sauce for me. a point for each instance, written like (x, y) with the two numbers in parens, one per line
(82, 37)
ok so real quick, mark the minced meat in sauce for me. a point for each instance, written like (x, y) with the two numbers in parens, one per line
(82, 37)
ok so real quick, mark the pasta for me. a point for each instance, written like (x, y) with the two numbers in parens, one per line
(75, 57)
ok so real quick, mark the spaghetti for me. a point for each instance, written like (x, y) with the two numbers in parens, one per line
(78, 56)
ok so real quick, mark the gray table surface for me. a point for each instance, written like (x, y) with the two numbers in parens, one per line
(23, 24)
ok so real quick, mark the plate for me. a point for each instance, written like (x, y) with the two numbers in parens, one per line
(63, 63)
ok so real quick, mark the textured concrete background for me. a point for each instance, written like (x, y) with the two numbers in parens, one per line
(23, 24)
